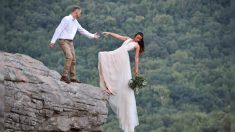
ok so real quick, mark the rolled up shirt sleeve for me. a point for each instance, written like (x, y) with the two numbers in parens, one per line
(59, 29)
(85, 32)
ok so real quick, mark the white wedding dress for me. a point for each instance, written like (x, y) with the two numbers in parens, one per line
(115, 73)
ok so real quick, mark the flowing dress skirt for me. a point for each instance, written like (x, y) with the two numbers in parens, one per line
(115, 73)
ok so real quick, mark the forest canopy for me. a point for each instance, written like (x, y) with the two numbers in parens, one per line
(188, 60)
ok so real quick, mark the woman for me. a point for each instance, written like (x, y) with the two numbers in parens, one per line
(115, 73)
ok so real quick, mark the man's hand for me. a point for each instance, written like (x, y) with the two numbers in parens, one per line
(51, 45)
(97, 36)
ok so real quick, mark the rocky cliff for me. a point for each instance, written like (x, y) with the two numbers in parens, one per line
(33, 99)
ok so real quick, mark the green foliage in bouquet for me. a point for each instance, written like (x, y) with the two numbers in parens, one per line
(137, 83)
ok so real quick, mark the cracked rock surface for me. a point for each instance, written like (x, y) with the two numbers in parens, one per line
(33, 99)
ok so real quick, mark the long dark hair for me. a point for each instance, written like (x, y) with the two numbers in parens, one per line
(141, 42)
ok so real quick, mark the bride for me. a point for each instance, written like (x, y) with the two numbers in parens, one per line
(115, 73)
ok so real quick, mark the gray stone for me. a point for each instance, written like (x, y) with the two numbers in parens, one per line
(33, 99)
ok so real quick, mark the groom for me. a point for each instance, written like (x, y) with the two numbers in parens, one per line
(65, 32)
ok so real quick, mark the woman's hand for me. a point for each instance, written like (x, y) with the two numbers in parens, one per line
(106, 33)
(135, 71)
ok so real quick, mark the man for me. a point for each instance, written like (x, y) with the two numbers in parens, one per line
(65, 32)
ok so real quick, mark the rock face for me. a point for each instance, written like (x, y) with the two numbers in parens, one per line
(33, 99)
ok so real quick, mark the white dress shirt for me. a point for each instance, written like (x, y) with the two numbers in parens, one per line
(68, 28)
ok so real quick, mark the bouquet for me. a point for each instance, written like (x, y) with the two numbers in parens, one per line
(137, 83)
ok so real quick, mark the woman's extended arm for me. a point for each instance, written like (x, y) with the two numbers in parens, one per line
(137, 49)
(123, 38)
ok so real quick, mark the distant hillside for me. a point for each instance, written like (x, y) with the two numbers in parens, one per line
(189, 58)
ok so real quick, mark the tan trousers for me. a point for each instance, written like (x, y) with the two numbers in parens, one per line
(70, 60)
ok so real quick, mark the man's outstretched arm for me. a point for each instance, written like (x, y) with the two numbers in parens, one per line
(87, 34)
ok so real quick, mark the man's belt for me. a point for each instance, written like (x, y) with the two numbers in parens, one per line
(67, 40)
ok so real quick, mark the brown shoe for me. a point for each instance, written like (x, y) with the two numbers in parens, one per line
(75, 81)
(65, 79)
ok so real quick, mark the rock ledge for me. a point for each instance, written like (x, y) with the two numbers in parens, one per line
(33, 99)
